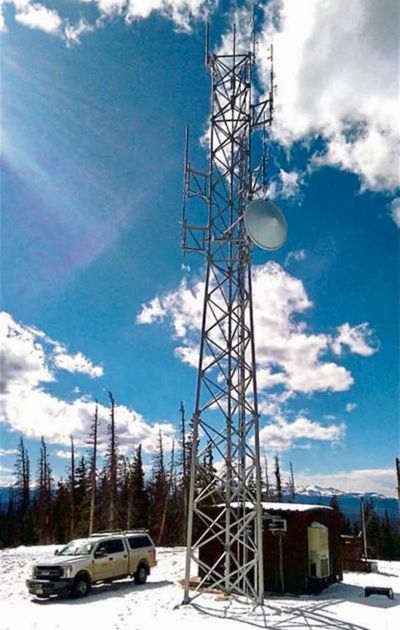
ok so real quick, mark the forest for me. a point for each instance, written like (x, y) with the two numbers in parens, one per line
(108, 490)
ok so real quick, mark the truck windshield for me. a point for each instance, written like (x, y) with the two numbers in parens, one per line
(77, 548)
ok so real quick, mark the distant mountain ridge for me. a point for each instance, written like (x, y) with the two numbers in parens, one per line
(349, 502)
(312, 490)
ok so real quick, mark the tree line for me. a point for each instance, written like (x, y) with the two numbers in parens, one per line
(98, 493)
(113, 492)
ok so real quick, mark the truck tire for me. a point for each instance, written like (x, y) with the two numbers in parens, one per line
(81, 586)
(141, 574)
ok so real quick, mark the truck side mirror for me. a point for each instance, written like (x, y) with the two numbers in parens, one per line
(56, 552)
(100, 553)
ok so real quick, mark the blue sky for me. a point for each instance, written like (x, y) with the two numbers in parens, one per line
(96, 294)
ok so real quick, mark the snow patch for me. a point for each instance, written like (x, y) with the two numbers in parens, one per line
(157, 604)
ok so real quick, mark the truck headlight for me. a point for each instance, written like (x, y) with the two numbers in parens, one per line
(67, 571)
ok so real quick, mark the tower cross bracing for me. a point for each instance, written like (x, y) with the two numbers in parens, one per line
(224, 506)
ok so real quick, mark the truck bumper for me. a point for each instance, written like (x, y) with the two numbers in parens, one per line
(45, 588)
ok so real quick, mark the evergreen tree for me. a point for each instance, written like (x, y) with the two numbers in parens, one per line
(387, 539)
(82, 497)
(25, 529)
(61, 513)
(72, 490)
(139, 498)
(124, 483)
(102, 505)
(44, 496)
(340, 518)
(158, 489)
(22, 482)
(279, 495)
(268, 489)
(9, 521)
(185, 444)
(372, 524)
(169, 484)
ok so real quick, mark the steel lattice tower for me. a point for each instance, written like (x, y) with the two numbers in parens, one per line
(225, 465)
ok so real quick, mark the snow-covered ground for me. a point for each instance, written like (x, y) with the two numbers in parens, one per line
(156, 604)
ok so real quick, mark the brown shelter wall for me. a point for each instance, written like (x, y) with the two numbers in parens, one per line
(294, 552)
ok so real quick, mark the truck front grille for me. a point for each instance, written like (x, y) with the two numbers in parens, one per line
(48, 573)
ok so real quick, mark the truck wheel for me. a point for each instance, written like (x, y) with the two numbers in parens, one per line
(82, 586)
(141, 574)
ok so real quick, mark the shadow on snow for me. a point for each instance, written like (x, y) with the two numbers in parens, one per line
(104, 591)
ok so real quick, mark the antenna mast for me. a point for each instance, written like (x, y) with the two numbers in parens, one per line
(224, 508)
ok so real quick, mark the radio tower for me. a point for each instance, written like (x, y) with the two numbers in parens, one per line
(224, 507)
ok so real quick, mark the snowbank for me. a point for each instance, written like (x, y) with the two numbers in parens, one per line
(156, 604)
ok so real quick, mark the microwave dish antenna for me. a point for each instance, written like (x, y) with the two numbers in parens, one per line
(265, 224)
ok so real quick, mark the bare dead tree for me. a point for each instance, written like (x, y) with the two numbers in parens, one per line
(185, 471)
(93, 467)
(398, 482)
(112, 465)
(72, 489)
(292, 487)
(267, 486)
(167, 493)
(278, 479)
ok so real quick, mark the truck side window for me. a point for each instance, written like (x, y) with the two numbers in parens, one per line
(111, 546)
(117, 546)
(102, 547)
(138, 542)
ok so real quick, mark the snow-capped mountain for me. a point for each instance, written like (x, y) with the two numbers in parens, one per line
(318, 491)
(349, 502)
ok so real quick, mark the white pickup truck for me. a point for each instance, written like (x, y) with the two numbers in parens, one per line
(102, 557)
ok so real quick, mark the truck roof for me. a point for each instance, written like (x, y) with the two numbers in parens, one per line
(118, 532)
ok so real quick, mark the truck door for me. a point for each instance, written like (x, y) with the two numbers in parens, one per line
(101, 565)
(119, 555)
(114, 563)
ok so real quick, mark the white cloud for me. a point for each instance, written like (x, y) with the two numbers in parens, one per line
(184, 306)
(76, 363)
(108, 6)
(298, 255)
(395, 211)
(7, 477)
(188, 354)
(350, 407)
(8, 451)
(30, 356)
(5, 469)
(23, 360)
(380, 480)
(73, 32)
(37, 16)
(3, 28)
(151, 312)
(288, 354)
(283, 435)
(356, 338)
(321, 50)
(30, 362)
(65, 454)
(181, 12)
(289, 183)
